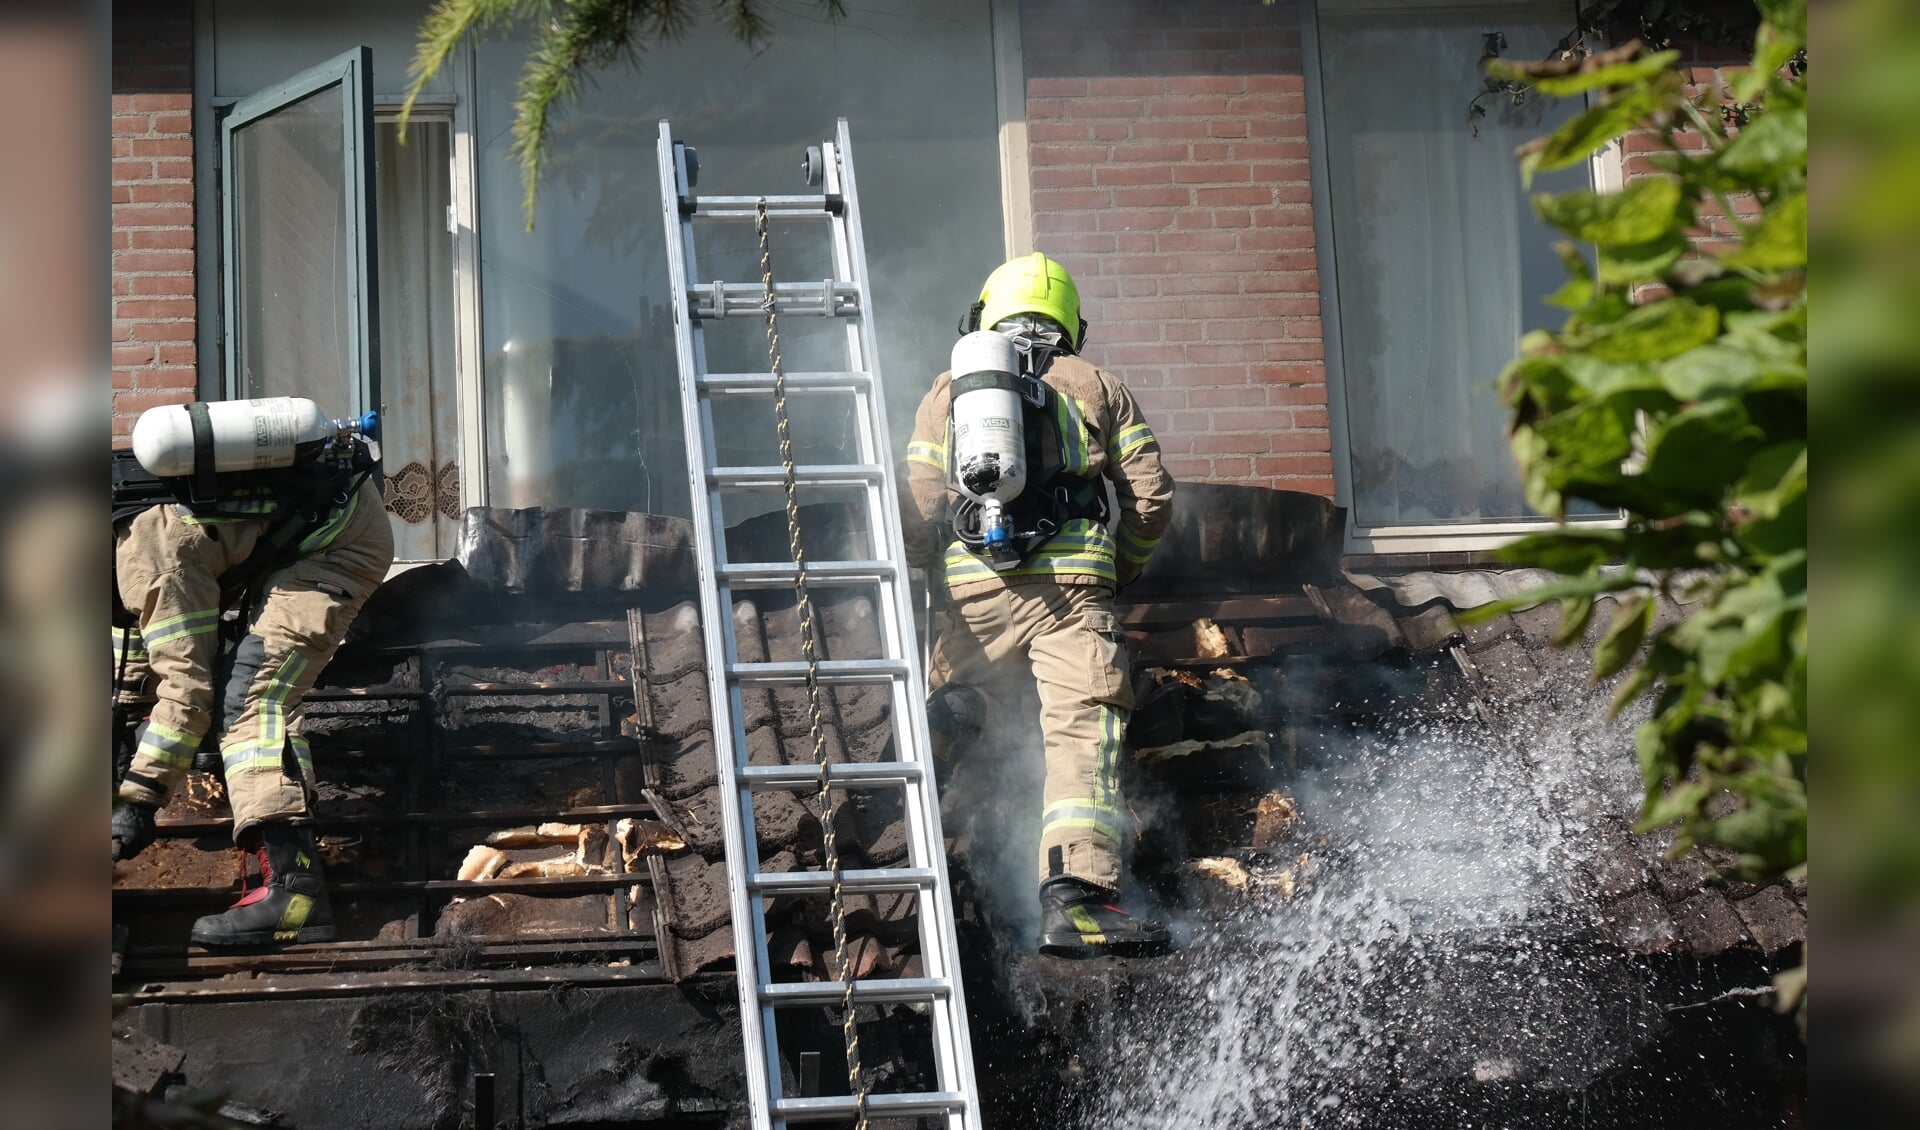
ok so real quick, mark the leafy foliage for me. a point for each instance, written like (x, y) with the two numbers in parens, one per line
(1688, 412)
(571, 39)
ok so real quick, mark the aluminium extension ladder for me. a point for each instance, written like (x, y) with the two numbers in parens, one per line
(846, 298)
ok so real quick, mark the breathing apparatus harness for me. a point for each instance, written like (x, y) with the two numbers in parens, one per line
(304, 496)
(1052, 496)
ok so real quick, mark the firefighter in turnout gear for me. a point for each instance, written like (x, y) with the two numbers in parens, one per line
(297, 549)
(1039, 594)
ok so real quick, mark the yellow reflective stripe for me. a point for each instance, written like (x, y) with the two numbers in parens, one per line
(331, 529)
(978, 570)
(1081, 812)
(273, 701)
(1134, 548)
(295, 916)
(931, 454)
(130, 643)
(302, 753)
(250, 758)
(196, 623)
(1106, 784)
(1086, 925)
(1073, 434)
(1131, 440)
(167, 745)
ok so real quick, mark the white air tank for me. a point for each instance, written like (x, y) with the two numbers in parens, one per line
(247, 435)
(988, 463)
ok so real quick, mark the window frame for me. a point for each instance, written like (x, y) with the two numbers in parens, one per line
(1439, 537)
(352, 72)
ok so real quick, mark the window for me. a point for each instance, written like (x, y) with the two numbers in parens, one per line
(1438, 263)
(581, 390)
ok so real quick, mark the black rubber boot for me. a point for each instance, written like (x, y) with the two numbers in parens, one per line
(1078, 920)
(133, 828)
(289, 905)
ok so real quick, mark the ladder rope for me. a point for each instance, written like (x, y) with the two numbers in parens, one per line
(843, 962)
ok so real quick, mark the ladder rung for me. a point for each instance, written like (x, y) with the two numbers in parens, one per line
(828, 298)
(748, 207)
(832, 1107)
(796, 382)
(807, 475)
(807, 776)
(893, 990)
(767, 574)
(874, 880)
(827, 671)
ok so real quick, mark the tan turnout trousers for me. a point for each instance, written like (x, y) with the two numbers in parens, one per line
(168, 565)
(1067, 637)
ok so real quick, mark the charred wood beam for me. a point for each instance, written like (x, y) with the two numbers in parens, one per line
(1238, 609)
(148, 963)
(295, 986)
(503, 817)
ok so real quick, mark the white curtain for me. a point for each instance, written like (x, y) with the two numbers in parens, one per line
(1441, 263)
(419, 411)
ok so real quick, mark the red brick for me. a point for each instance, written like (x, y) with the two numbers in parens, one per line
(1152, 196)
(1297, 284)
(137, 401)
(178, 102)
(1056, 87)
(1242, 329)
(1131, 85)
(1186, 129)
(163, 147)
(1266, 83)
(1143, 311)
(1188, 467)
(1275, 239)
(1145, 354)
(1172, 107)
(176, 124)
(1225, 353)
(135, 354)
(1310, 418)
(1228, 468)
(1105, 107)
(169, 377)
(1161, 399)
(1050, 222)
(1293, 351)
(1191, 283)
(173, 170)
(1134, 241)
(1206, 84)
(1067, 154)
(1038, 132)
(132, 170)
(122, 147)
(1110, 129)
(1065, 177)
(1227, 127)
(1232, 397)
(1132, 174)
(1283, 261)
(153, 308)
(1150, 151)
(1231, 218)
(157, 193)
(1204, 308)
(180, 283)
(1135, 220)
(183, 353)
(152, 215)
(122, 378)
(1306, 384)
(1196, 241)
(1302, 463)
(1236, 194)
(1283, 217)
(159, 239)
(1213, 174)
(153, 261)
(162, 331)
(1139, 265)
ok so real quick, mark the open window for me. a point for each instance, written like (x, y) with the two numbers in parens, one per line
(297, 217)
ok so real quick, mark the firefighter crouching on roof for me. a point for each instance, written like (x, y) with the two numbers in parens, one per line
(1032, 570)
(298, 547)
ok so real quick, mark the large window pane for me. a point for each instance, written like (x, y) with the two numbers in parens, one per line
(582, 394)
(1442, 265)
(290, 256)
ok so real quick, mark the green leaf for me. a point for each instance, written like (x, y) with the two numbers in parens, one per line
(1598, 378)
(1774, 45)
(1565, 550)
(1625, 264)
(1646, 210)
(1775, 478)
(1591, 584)
(1767, 148)
(1788, 15)
(1698, 453)
(1631, 620)
(1608, 74)
(1715, 369)
(1655, 331)
(1587, 131)
(1779, 241)
(1575, 613)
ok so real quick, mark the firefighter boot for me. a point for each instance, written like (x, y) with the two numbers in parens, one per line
(1078, 920)
(289, 905)
(133, 828)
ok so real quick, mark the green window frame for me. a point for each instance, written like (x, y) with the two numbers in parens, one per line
(347, 77)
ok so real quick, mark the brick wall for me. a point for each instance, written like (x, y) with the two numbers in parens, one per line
(153, 235)
(1168, 145)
